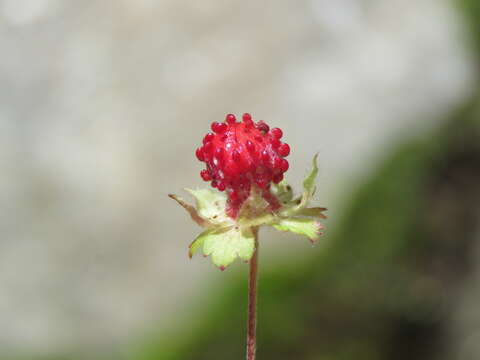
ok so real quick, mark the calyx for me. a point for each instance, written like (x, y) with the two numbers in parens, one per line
(225, 238)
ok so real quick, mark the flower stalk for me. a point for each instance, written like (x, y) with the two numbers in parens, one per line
(252, 302)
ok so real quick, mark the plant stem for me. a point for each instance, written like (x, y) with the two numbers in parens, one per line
(252, 302)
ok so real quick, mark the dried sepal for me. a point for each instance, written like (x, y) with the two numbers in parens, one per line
(191, 210)
(283, 191)
(313, 212)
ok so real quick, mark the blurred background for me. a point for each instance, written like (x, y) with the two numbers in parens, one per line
(102, 104)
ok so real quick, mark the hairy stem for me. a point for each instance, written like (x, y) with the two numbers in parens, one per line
(252, 302)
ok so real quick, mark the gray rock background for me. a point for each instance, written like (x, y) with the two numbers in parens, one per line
(102, 104)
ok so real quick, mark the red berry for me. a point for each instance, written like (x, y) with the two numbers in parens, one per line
(250, 146)
(239, 155)
(209, 137)
(277, 178)
(277, 164)
(236, 156)
(248, 123)
(262, 126)
(275, 143)
(233, 195)
(205, 175)
(219, 128)
(219, 153)
(265, 156)
(261, 181)
(207, 150)
(276, 132)
(230, 119)
(199, 153)
(284, 150)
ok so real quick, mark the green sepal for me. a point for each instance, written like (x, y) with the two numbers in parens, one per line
(295, 216)
(198, 242)
(309, 185)
(225, 245)
(303, 226)
(295, 206)
(225, 238)
(210, 204)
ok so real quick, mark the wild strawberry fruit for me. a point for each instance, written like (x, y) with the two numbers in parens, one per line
(241, 155)
(244, 158)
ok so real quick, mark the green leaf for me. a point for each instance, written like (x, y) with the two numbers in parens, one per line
(303, 226)
(226, 245)
(210, 205)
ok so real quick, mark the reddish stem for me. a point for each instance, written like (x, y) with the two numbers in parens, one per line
(252, 303)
